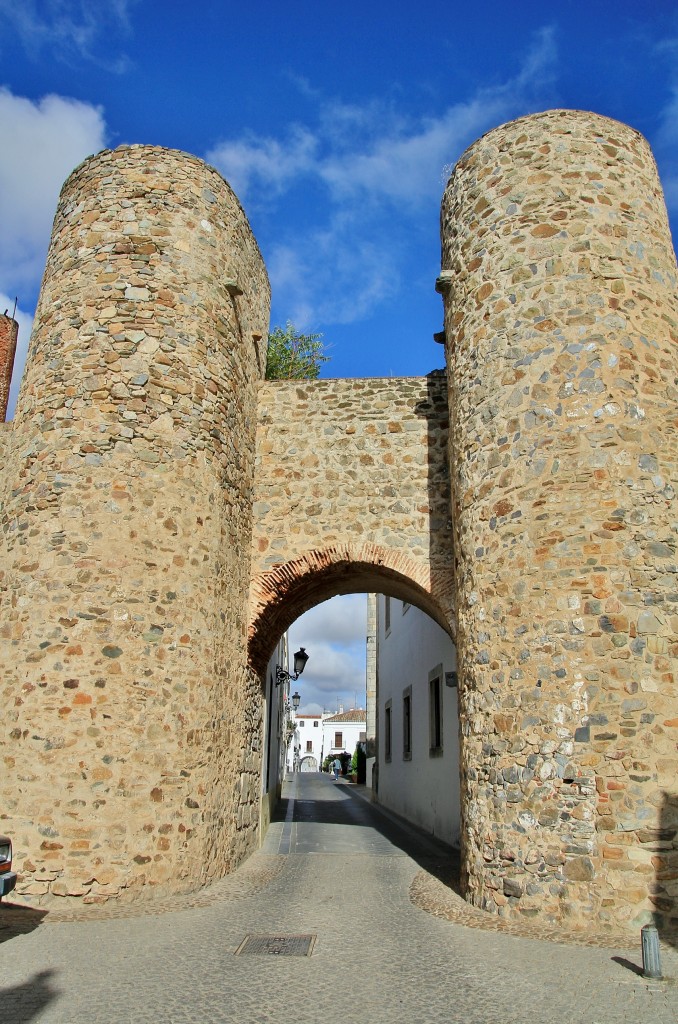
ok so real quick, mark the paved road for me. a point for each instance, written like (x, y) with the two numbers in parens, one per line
(339, 870)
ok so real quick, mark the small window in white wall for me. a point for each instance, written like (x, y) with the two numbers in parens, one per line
(338, 739)
(387, 615)
(316, 724)
(301, 724)
(387, 730)
(309, 746)
(407, 724)
(435, 711)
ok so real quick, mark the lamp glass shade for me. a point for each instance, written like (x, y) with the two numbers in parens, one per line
(300, 659)
(296, 700)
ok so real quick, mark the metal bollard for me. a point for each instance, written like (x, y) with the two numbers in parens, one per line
(652, 965)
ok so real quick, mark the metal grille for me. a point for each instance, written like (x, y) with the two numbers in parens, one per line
(278, 945)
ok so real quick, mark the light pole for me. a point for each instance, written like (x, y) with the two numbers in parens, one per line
(281, 674)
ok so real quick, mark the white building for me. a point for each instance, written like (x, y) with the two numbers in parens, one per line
(343, 731)
(308, 743)
(417, 767)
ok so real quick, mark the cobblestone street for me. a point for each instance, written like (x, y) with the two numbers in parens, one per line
(334, 867)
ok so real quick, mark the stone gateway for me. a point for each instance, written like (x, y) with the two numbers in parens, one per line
(166, 514)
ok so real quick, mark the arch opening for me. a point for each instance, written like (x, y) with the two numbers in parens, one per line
(380, 694)
(280, 596)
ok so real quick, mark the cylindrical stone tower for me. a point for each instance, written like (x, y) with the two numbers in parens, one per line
(559, 281)
(131, 732)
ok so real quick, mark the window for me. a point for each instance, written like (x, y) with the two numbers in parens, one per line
(316, 723)
(309, 746)
(387, 615)
(435, 711)
(338, 739)
(407, 724)
(387, 730)
(301, 723)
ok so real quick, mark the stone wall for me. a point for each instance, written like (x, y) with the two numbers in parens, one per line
(560, 281)
(132, 733)
(351, 494)
(158, 504)
(9, 330)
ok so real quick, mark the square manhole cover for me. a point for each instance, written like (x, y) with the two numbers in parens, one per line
(278, 945)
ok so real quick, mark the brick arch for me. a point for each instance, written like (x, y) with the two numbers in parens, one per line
(279, 596)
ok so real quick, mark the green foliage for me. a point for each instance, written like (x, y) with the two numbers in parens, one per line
(294, 356)
(359, 762)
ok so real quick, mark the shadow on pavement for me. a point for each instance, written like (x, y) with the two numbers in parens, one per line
(21, 1004)
(342, 804)
(16, 919)
(628, 964)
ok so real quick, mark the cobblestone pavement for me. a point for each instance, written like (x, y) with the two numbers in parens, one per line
(337, 868)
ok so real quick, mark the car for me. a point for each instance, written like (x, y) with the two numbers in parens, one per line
(7, 876)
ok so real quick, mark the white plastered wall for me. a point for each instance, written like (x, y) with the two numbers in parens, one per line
(424, 789)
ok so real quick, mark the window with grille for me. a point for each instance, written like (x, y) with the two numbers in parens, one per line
(338, 739)
(435, 712)
(407, 724)
(387, 730)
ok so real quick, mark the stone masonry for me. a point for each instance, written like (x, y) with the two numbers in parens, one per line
(160, 504)
(132, 730)
(351, 493)
(561, 324)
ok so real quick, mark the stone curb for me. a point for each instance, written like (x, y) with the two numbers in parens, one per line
(256, 874)
(439, 898)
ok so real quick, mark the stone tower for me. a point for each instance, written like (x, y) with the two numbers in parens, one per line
(559, 282)
(132, 731)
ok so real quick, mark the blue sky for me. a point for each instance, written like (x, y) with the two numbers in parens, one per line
(336, 125)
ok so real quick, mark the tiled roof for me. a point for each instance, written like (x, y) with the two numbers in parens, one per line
(355, 715)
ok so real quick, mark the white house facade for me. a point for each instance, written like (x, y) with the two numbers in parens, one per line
(417, 767)
(308, 743)
(342, 732)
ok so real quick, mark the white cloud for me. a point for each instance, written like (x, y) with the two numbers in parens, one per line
(664, 140)
(333, 634)
(670, 185)
(42, 143)
(342, 620)
(25, 322)
(375, 150)
(667, 134)
(251, 163)
(665, 143)
(334, 275)
(371, 169)
(69, 29)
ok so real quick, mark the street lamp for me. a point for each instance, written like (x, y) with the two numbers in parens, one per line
(300, 659)
(296, 700)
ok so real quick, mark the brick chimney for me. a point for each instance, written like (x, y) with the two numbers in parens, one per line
(9, 330)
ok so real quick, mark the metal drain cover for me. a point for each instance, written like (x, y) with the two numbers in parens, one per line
(278, 945)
